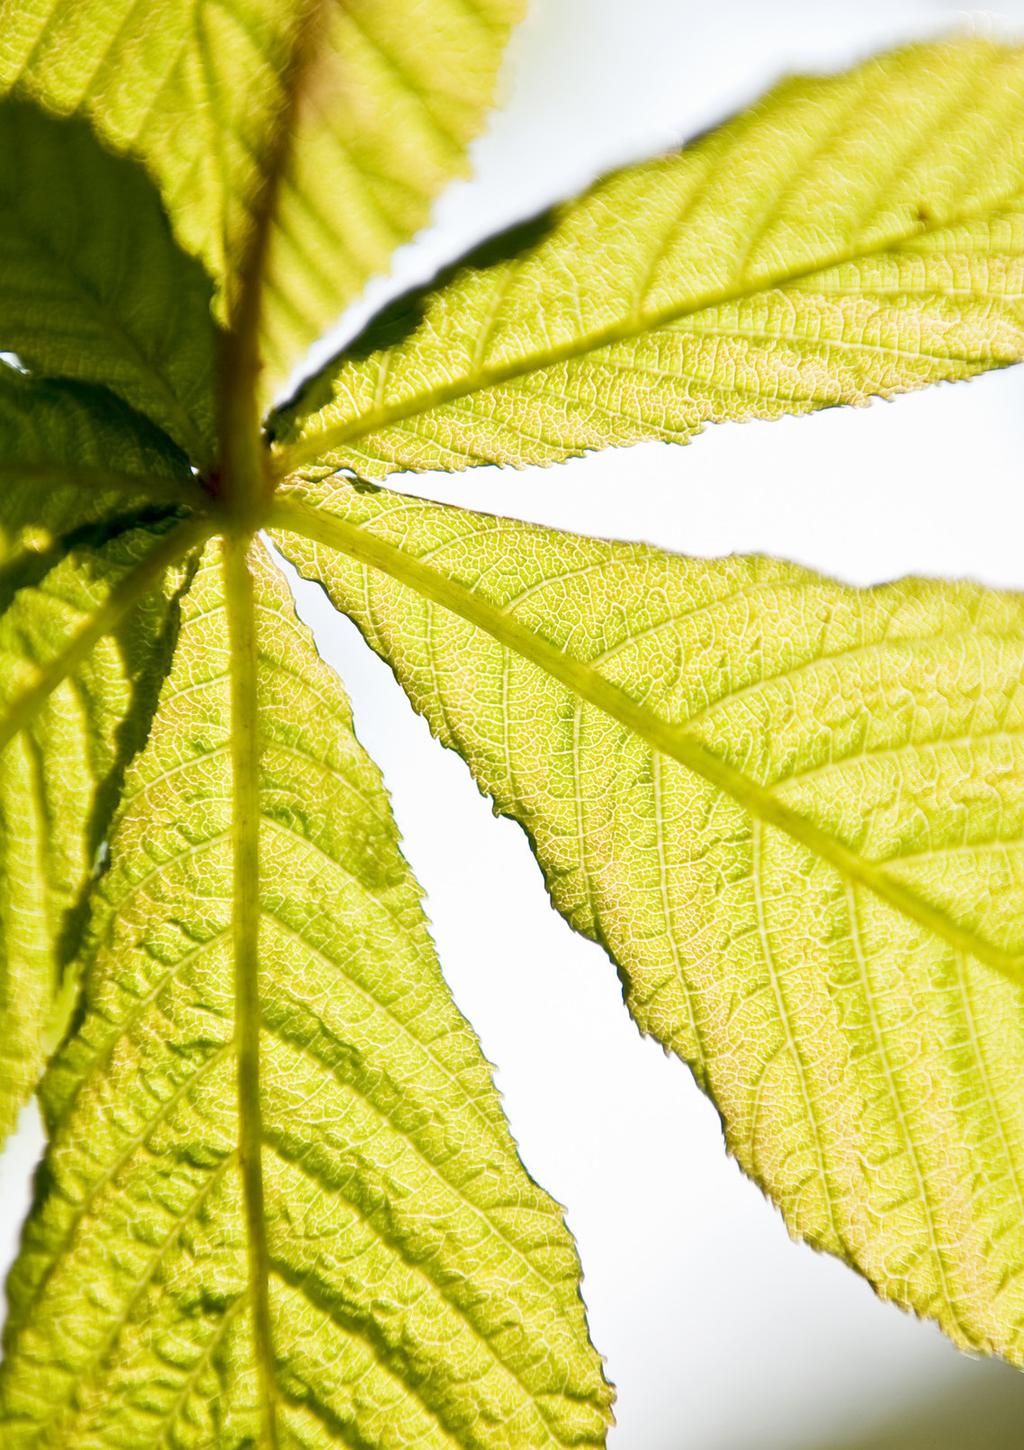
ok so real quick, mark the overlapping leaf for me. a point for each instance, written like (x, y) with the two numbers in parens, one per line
(78, 474)
(378, 100)
(409, 1283)
(92, 285)
(846, 237)
(792, 811)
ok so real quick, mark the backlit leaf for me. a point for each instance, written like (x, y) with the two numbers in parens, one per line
(792, 812)
(377, 107)
(847, 237)
(278, 1160)
(73, 532)
(280, 1206)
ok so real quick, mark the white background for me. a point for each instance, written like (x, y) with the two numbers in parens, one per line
(720, 1333)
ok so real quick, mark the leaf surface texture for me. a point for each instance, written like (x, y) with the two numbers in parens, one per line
(68, 540)
(281, 1206)
(791, 812)
(92, 284)
(378, 109)
(808, 253)
(418, 1288)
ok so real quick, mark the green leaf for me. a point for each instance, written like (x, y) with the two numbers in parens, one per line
(348, 139)
(92, 284)
(793, 813)
(72, 455)
(77, 544)
(394, 94)
(281, 1206)
(847, 237)
(278, 1161)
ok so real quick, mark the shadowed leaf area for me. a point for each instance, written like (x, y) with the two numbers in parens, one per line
(401, 318)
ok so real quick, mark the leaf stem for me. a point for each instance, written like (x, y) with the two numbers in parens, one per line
(671, 739)
(128, 592)
(245, 752)
(243, 487)
(244, 474)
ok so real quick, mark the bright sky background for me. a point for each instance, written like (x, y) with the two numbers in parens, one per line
(720, 1333)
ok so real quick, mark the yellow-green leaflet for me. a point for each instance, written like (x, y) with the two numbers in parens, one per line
(792, 812)
(846, 237)
(379, 97)
(92, 285)
(394, 95)
(393, 1277)
(71, 536)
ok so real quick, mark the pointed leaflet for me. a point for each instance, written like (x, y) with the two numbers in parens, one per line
(92, 285)
(76, 469)
(792, 811)
(379, 107)
(850, 236)
(404, 1276)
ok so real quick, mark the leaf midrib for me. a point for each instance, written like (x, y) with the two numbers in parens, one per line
(245, 828)
(243, 457)
(292, 457)
(675, 741)
(242, 486)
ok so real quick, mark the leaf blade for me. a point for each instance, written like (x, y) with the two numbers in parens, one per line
(92, 285)
(860, 1050)
(760, 271)
(389, 101)
(75, 564)
(394, 1261)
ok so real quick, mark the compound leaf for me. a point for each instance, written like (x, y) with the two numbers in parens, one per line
(82, 642)
(345, 118)
(277, 1157)
(814, 251)
(281, 1205)
(93, 285)
(793, 813)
